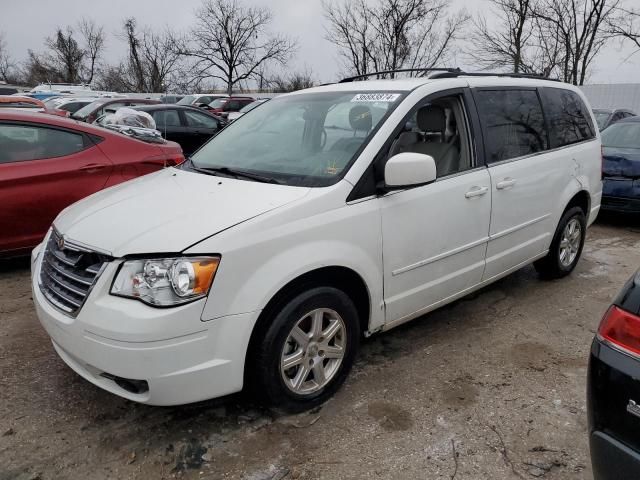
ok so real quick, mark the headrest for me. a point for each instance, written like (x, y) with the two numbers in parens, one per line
(360, 118)
(432, 119)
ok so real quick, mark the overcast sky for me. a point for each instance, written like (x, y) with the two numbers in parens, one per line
(25, 23)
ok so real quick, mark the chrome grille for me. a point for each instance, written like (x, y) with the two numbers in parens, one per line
(68, 272)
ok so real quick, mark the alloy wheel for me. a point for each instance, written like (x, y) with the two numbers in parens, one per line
(570, 242)
(313, 351)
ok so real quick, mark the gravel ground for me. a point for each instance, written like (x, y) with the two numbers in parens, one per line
(491, 387)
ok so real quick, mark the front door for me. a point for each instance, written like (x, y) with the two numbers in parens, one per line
(42, 171)
(200, 128)
(435, 236)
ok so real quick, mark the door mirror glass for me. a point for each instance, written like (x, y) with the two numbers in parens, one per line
(408, 169)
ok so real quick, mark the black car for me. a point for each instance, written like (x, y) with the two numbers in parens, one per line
(621, 166)
(191, 127)
(613, 389)
(606, 117)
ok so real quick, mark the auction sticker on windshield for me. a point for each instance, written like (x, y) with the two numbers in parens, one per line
(376, 97)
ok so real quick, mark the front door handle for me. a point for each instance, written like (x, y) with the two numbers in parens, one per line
(476, 192)
(506, 183)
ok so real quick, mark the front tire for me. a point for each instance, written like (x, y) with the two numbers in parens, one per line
(566, 246)
(308, 349)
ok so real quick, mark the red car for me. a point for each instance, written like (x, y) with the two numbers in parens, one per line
(28, 103)
(49, 162)
(223, 106)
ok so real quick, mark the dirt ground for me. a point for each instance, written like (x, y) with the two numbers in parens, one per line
(491, 387)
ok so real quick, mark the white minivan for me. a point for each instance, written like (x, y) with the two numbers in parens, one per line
(324, 215)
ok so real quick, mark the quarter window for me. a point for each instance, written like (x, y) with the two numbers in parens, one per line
(569, 121)
(513, 123)
(25, 142)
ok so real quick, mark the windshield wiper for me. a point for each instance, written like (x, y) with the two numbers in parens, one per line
(232, 172)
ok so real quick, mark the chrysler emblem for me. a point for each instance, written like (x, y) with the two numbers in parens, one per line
(61, 243)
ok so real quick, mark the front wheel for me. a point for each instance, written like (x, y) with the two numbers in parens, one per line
(308, 349)
(566, 246)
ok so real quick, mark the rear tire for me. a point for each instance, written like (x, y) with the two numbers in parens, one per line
(307, 351)
(566, 246)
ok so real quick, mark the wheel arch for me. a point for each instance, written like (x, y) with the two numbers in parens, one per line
(343, 278)
(581, 199)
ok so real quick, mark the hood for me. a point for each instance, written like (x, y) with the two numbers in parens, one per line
(168, 211)
(621, 162)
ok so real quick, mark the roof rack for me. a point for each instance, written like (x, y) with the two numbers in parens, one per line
(453, 71)
(491, 74)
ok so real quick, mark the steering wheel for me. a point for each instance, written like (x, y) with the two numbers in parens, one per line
(323, 138)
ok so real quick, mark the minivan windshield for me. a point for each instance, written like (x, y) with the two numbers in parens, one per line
(305, 139)
(622, 135)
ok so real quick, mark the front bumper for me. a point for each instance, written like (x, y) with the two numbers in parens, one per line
(181, 358)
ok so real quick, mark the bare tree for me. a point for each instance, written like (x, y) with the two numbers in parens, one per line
(393, 34)
(37, 70)
(506, 44)
(230, 42)
(350, 31)
(579, 26)
(94, 40)
(292, 82)
(626, 26)
(69, 57)
(8, 72)
(66, 55)
(152, 58)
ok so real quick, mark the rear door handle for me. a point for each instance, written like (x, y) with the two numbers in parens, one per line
(476, 192)
(92, 167)
(506, 183)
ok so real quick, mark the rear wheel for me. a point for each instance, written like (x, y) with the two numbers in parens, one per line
(308, 349)
(566, 246)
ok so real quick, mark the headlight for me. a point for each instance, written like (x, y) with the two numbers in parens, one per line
(166, 282)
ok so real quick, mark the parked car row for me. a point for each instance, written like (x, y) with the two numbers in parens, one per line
(188, 125)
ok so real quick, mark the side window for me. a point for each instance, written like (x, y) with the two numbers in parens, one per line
(198, 120)
(24, 142)
(513, 123)
(166, 118)
(568, 118)
(438, 128)
(232, 106)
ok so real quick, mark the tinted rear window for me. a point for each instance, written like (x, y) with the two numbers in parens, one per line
(568, 117)
(513, 123)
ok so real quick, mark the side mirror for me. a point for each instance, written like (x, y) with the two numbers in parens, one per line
(408, 169)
